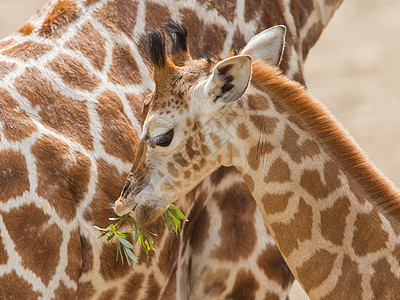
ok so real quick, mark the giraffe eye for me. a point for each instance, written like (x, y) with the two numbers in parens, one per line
(162, 140)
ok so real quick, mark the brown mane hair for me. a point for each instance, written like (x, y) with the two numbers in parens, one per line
(312, 115)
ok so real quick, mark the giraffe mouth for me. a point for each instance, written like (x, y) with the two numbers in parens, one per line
(123, 206)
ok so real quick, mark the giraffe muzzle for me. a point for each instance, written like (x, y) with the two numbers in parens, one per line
(124, 206)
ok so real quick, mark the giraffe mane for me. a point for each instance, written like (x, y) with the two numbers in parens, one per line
(313, 116)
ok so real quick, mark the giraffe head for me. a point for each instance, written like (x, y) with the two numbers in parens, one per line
(190, 127)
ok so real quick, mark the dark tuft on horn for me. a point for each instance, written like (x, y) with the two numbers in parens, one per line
(156, 44)
(178, 36)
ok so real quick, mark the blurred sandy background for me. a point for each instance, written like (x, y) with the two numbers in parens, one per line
(354, 69)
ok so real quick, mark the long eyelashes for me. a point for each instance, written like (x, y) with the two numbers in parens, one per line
(163, 140)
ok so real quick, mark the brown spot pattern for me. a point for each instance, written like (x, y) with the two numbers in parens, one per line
(245, 286)
(315, 270)
(249, 181)
(63, 176)
(214, 282)
(238, 235)
(385, 284)
(333, 221)
(225, 9)
(63, 13)
(6, 68)
(119, 138)
(278, 172)
(289, 235)
(117, 17)
(311, 38)
(180, 160)
(348, 285)
(274, 266)
(131, 286)
(73, 269)
(153, 288)
(137, 102)
(16, 287)
(301, 11)
(274, 203)
(74, 73)
(58, 112)
(200, 231)
(124, 69)
(257, 152)
(272, 296)
(290, 144)
(312, 183)
(109, 185)
(242, 132)
(156, 12)
(27, 50)
(87, 255)
(269, 12)
(14, 179)
(257, 102)
(85, 290)
(208, 40)
(109, 294)
(190, 147)
(368, 225)
(62, 292)
(168, 254)
(109, 268)
(16, 124)
(238, 40)
(3, 253)
(266, 125)
(172, 170)
(91, 44)
(32, 221)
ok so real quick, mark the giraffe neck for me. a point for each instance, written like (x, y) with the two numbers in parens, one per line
(331, 213)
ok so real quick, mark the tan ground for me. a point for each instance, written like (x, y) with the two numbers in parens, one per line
(354, 69)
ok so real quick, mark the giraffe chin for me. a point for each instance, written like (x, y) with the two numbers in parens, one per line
(146, 213)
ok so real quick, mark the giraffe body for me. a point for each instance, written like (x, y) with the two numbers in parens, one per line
(334, 217)
(72, 82)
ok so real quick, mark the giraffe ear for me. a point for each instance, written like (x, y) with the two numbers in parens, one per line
(267, 46)
(229, 79)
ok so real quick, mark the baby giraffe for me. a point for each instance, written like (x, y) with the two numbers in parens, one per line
(334, 217)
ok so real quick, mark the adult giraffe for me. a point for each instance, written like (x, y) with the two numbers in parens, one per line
(70, 109)
(334, 216)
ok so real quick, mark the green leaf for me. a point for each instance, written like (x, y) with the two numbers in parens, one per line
(110, 237)
(178, 212)
(126, 243)
(123, 234)
(131, 255)
(118, 249)
(114, 219)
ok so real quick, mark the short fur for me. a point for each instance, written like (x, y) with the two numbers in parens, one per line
(313, 116)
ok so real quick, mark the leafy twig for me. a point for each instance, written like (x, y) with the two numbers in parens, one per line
(172, 217)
